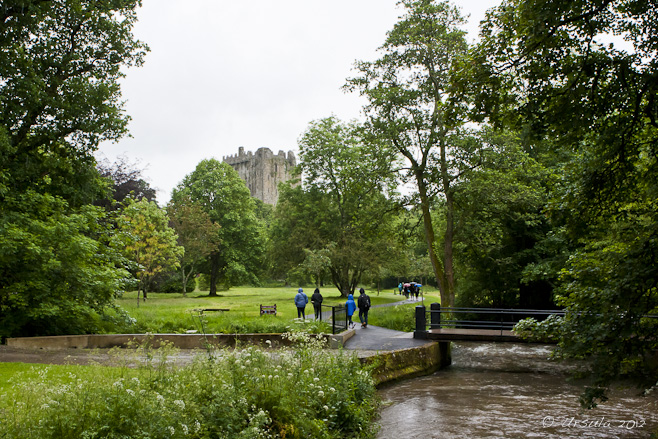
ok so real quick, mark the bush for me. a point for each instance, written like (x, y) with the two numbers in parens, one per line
(300, 393)
(399, 317)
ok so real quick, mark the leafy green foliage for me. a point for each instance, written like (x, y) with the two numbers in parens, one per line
(57, 273)
(336, 223)
(413, 109)
(196, 233)
(145, 238)
(502, 232)
(218, 189)
(59, 66)
(248, 393)
(542, 67)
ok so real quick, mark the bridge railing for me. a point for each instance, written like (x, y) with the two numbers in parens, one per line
(338, 315)
(475, 318)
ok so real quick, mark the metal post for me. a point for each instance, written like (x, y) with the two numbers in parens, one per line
(333, 320)
(421, 322)
(435, 316)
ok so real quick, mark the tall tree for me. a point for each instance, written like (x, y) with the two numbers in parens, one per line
(411, 107)
(126, 180)
(60, 62)
(598, 101)
(332, 214)
(196, 233)
(145, 238)
(226, 199)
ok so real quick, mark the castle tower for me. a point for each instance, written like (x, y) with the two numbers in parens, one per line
(263, 171)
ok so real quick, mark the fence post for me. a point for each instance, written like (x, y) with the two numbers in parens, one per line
(333, 320)
(421, 322)
(435, 316)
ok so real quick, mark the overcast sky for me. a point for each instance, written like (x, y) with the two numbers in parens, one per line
(223, 74)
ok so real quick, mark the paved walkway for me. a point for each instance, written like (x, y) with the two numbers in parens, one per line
(375, 338)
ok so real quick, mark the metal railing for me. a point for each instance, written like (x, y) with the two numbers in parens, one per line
(338, 316)
(476, 318)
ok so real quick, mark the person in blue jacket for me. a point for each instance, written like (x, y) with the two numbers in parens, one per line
(351, 307)
(300, 302)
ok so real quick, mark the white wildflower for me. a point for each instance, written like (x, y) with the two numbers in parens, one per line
(320, 393)
(316, 379)
(180, 404)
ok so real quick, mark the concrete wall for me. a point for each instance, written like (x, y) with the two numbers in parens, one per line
(393, 366)
(181, 341)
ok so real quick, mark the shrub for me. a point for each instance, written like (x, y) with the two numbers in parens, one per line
(249, 393)
(399, 317)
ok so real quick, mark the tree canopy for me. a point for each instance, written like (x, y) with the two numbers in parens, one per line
(60, 62)
(549, 68)
(413, 109)
(145, 238)
(338, 216)
(218, 189)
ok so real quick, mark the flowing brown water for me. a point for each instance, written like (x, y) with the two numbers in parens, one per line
(501, 390)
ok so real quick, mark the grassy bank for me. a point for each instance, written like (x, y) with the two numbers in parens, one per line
(301, 393)
(173, 313)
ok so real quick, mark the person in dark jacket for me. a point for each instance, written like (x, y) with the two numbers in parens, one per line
(364, 306)
(316, 300)
(300, 302)
(350, 307)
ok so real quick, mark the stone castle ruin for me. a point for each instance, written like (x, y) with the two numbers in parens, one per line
(262, 171)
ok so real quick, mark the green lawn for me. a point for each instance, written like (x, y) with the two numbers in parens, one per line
(175, 313)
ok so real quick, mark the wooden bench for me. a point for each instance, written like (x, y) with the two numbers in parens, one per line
(268, 309)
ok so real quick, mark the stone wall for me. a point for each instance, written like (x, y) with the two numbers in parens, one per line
(262, 171)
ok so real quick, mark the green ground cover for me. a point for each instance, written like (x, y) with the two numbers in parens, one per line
(173, 313)
(247, 393)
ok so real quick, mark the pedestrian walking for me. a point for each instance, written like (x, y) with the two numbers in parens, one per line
(350, 307)
(364, 306)
(316, 300)
(300, 302)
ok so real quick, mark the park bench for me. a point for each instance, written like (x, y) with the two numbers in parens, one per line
(268, 309)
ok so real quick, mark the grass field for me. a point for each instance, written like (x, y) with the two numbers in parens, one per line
(175, 313)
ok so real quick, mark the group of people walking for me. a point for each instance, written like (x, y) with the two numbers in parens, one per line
(410, 290)
(363, 304)
(301, 299)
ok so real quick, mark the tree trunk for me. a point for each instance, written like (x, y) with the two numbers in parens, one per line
(182, 269)
(431, 241)
(448, 268)
(214, 273)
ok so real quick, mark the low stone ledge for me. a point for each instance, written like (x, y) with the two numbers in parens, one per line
(392, 366)
(181, 341)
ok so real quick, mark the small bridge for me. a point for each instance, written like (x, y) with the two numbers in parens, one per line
(473, 324)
